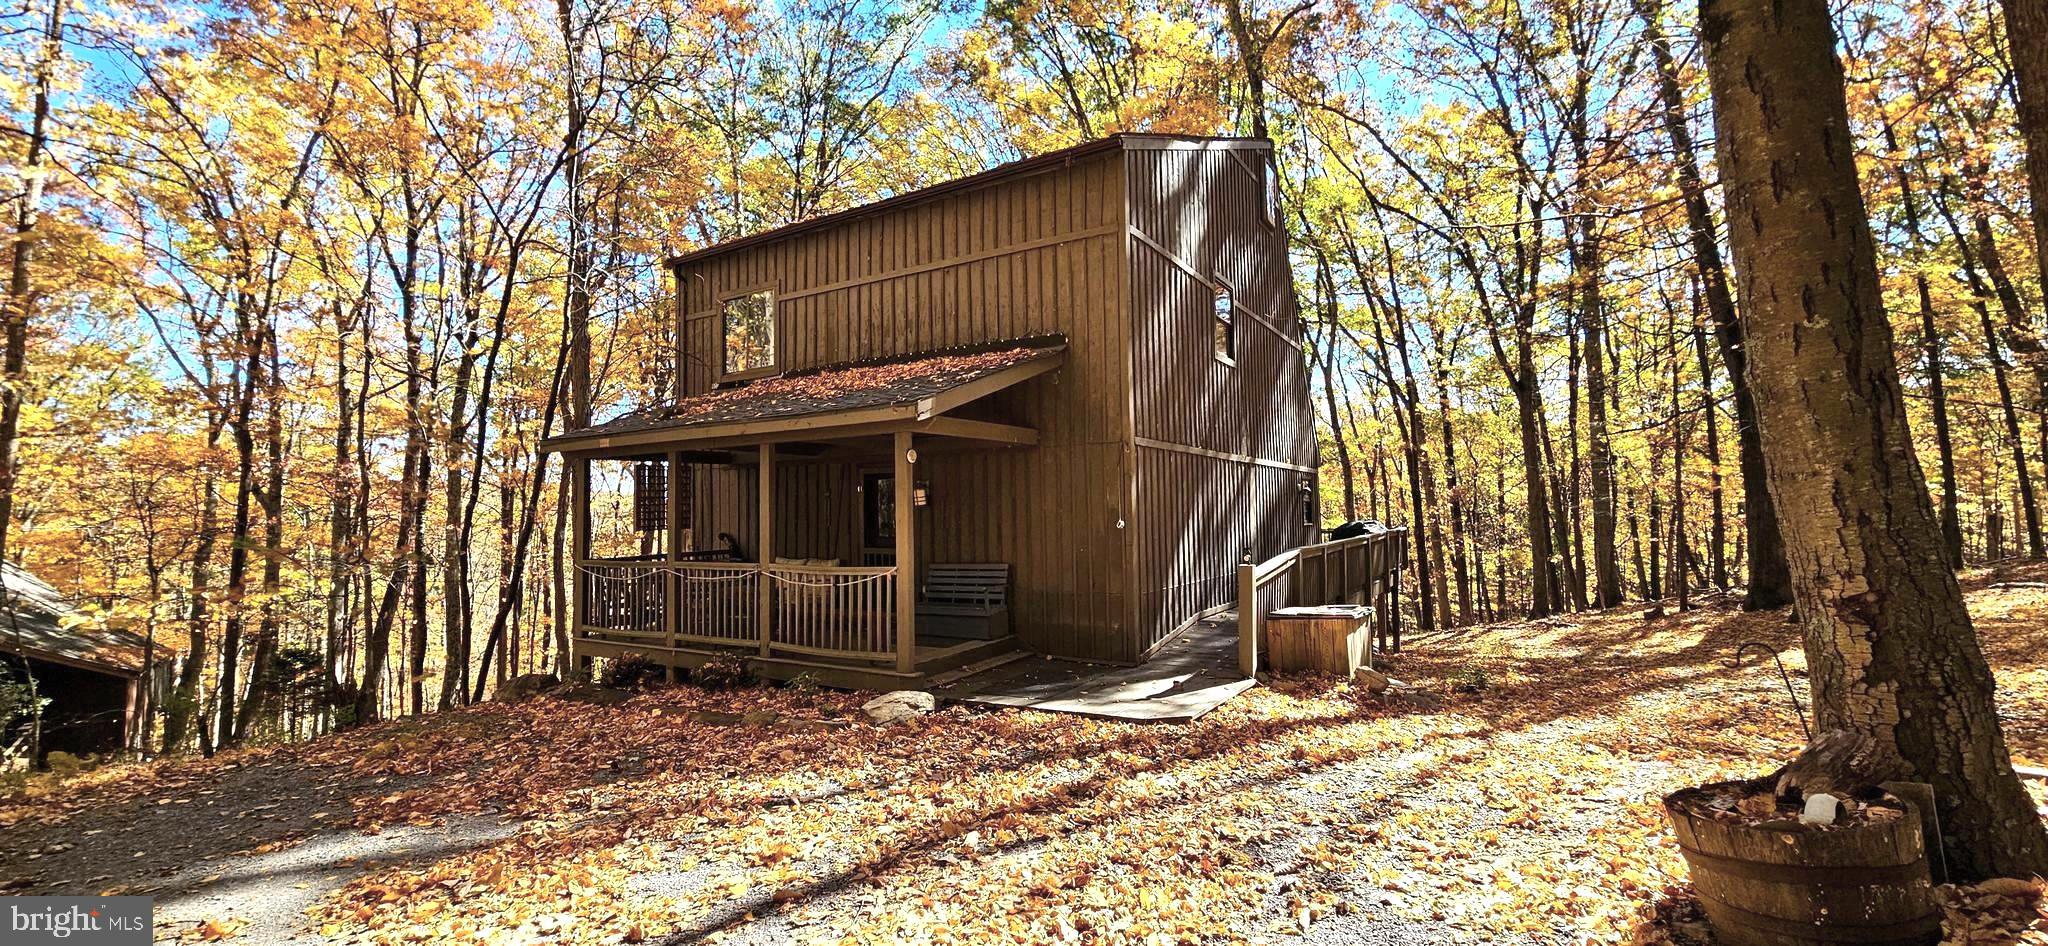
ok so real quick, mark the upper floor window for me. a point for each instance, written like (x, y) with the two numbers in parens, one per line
(749, 328)
(1225, 325)
(1272, 195)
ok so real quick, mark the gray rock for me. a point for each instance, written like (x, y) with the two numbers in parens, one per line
(524, 687)
(1371, 680)
(899, 706)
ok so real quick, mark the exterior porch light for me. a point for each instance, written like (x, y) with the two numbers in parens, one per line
(910, 455)
(921, 494)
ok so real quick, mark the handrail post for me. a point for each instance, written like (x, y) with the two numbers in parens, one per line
(906, 556)
(1248, 619)
(579, 552)
(672, 580)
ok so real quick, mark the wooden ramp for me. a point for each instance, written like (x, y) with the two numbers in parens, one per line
(1194, 674)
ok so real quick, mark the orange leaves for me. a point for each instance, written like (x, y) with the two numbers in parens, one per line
(1524, 813)
(216, 929)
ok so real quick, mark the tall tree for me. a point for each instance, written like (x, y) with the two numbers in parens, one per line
(1889, 643)
(1770, 578)
(2026, 32)
(17, 310)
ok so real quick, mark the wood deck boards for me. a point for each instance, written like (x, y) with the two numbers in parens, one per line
(1190, 676)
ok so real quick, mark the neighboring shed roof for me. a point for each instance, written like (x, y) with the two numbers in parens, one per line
(36, 629)
(912, 385)
(1035, 163)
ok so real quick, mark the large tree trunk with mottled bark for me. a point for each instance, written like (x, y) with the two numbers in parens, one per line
(2026, 30)
(1889, 644)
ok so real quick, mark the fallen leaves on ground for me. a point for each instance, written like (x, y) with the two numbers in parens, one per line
(1513, 797)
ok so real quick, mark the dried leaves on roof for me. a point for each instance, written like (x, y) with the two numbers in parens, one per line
(884, 384)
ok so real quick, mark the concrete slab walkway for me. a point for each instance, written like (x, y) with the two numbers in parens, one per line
(1190, 676)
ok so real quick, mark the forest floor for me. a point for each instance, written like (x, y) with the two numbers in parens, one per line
(1512, 797)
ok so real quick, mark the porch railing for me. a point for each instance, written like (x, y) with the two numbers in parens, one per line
(823, 611)
(834, 612)
(625, 597)
(716, 601)
(1363, 569)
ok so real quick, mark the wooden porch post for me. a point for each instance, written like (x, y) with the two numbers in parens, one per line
(906, 558)
(764, 594)
(579, 552)
(672, 584)
(1248, 619)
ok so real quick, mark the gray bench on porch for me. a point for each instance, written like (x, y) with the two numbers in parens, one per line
(970, 602)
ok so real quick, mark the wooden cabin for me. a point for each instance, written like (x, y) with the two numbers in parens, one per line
(100, 681)
(1051, 406)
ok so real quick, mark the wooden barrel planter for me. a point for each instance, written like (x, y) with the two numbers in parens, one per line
(1781, 883)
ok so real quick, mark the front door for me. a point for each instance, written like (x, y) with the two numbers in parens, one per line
(877, 518)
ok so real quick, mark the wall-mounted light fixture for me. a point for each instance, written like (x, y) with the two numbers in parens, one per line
(910, 455)
(921, 493)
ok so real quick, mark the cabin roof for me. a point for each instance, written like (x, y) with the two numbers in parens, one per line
(1018, 168)
(909, 383)
(36, 630)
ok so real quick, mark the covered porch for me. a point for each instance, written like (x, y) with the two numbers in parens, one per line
(779, 523)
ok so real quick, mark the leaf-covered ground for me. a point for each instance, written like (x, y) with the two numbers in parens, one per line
(1512, 798)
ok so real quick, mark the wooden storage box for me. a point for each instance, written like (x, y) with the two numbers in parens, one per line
(1334, 638)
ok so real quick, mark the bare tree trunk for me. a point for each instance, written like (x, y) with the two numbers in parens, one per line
(1681, 546)
(1770, 578)
(1251, 55)
(509, 590)
(2022, 470)
(2019, 338)
(184, 708)
(18, 309)
(1545, 593)
(2026, 32)
(1326, 286)
(249, 337)
(1889, 643)
(340, 535)
(1937, 385)
(1593, 322)
(1717, 533)
(1451, 487)
(262, 676)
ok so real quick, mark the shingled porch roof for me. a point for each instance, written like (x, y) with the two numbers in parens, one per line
(832, 401)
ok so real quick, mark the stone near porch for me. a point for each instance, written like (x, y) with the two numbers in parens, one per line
(899, 706)
(525, 687)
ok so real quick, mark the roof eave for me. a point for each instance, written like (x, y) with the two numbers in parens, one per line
(733, 433)
(1018, 168)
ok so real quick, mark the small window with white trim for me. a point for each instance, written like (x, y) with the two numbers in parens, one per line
(1224, 322)
(748, 324)
(1272, 175)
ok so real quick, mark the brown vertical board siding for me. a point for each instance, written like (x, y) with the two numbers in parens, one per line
(1204, 209)
(1139, 368)
(1050, 511)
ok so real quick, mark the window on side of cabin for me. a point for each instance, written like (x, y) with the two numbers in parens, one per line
(1272, 175)
(1225, 325)
(748, 322)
